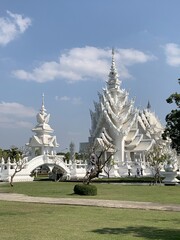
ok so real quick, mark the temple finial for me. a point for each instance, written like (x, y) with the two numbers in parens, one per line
(43, 99)
(113, 52)
(43, 110)
(148, 105)
(113, 82)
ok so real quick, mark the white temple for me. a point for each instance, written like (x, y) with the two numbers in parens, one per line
(124, 131)
(116, 125)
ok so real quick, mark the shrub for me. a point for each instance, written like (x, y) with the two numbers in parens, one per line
(84, 189)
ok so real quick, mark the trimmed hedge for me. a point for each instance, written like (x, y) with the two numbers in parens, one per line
(125, 180)
(84, 189)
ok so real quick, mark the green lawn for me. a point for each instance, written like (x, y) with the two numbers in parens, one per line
(161, 194)
(28, 221)
(32, 221)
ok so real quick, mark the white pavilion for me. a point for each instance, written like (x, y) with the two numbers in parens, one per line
(42, 142)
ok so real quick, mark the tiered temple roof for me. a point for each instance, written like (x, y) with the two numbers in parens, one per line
(43, 139)
(116, 122)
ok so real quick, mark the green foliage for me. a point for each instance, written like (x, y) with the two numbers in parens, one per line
(67, 155)
(131, 179)
(84, 189)
(78, 156)
(172, 129)
(156, 157)
(12, 153)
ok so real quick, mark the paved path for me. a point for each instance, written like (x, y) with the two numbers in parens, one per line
(90, 202)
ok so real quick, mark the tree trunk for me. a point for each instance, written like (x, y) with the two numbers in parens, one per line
(12, 177)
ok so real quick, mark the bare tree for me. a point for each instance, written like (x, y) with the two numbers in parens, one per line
(19, 165)
(108, 166)
(19, 160)
(97, 165)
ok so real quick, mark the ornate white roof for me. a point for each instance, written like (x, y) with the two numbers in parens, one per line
(43, 130)
(131, 135)
(43, 120)
(115, 118)
(144, 145)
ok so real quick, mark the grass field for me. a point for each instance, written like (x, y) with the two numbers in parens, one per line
(32, 221)
(143, 193)
(25, 221)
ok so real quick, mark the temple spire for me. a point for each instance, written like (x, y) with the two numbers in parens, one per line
(43, 110)
(113, 82)
(43, 99)
(148, 105)
(112, 54)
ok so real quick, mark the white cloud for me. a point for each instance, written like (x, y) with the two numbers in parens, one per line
(12, 26)
(132, 56)
(64, 98)
(12, 115)
(172, 52)
(24, 124)
(16, 109)
(76, 101)
(72, 100)
(80, 64)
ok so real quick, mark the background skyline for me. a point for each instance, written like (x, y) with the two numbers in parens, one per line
(62, 48)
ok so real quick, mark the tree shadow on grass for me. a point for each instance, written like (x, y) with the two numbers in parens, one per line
(151, 233)
(175, 220)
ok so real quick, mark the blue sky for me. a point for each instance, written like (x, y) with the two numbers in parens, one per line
(62, 48)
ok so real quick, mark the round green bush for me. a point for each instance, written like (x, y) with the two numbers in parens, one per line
(84, 189)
